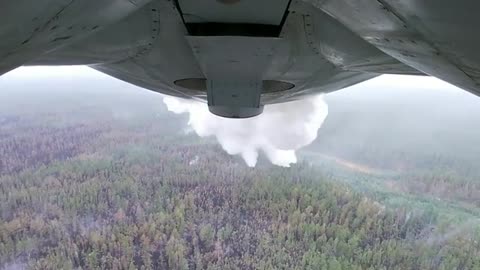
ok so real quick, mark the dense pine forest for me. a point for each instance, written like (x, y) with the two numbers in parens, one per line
(105, 177)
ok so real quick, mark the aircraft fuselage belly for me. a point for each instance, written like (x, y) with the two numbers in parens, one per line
(239, 55)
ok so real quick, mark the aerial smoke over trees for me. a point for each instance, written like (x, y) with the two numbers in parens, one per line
(278, 132)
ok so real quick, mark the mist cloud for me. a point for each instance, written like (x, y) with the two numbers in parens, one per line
(278, 132)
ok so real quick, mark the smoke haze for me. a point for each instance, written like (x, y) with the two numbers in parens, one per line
(278, 132)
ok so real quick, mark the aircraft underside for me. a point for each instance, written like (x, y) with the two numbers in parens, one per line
(238, 55)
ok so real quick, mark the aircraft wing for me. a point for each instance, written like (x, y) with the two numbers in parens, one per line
(238, 55)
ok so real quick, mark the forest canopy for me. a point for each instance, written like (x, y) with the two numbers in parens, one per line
(98, 175)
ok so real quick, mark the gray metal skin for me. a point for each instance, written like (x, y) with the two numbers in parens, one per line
(322, 45)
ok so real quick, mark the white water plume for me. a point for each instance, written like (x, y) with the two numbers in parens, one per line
(278, 132)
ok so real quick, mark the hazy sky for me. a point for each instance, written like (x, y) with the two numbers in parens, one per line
(265, 133)
(81, 72)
